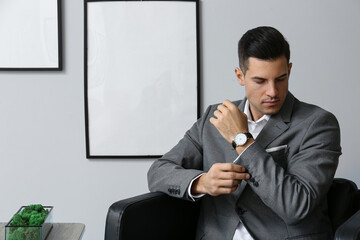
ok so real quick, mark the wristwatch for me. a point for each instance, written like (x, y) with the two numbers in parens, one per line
(240, 139)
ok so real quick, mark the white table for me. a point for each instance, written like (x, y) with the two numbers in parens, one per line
(60, 231)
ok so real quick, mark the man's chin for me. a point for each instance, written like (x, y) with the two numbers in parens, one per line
(271, 111)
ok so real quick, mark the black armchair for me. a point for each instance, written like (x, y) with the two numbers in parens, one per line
(158, 216)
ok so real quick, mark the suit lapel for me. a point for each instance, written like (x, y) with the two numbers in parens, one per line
(277, 124)
(274, 128)
(241, 106)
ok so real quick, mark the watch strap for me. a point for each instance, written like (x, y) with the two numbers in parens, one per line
(233, 144)
(248, 135)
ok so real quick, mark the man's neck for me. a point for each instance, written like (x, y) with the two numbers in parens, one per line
(251, 115)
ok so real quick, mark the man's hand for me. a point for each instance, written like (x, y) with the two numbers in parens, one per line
(222, 178)
(229, 120)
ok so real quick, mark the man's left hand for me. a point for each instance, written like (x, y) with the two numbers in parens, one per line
(229, 120)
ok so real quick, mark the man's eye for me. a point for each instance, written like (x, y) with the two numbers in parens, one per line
(259, 81)
(281, 79)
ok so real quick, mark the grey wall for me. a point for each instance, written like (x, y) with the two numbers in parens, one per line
(42, 133)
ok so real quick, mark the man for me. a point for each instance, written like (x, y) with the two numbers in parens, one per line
(274, 184)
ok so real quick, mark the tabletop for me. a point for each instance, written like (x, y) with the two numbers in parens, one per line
(60, 231)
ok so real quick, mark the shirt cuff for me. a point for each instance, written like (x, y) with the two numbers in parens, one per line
(193, 197)
(237, 159)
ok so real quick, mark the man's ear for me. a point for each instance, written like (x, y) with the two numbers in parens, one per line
(240, 76)
(289, 69)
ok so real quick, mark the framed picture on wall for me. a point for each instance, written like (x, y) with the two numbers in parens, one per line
(141, 76)
(30, 35)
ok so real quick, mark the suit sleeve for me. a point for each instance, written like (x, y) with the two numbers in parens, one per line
(173, 172)
(293, 193)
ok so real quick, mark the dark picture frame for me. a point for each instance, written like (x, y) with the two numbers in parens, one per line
(141, 76)
(31, 35)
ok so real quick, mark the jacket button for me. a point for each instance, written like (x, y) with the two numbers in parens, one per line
(256, 184)
(252, 179)
(240, 211)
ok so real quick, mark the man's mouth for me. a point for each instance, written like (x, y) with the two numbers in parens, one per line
(270, 103)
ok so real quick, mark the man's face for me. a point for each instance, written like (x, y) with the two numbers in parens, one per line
(266, 85)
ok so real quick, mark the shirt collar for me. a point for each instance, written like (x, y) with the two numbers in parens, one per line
(248, 114)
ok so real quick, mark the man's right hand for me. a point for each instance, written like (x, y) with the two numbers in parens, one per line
(222, 178)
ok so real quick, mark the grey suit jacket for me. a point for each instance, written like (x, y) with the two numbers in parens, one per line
(285, 198)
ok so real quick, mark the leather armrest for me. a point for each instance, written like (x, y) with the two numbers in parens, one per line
(152, 216)
(350, 230)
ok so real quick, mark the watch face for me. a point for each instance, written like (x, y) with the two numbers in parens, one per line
(240, 139)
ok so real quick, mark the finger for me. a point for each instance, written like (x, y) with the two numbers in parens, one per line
(217, 114)
(233, 176)
(222, 108)
(229, 167)
(228, 104)
(228, 183)
(224, 183)
(227, 190)
(213, 120)
(222, 190)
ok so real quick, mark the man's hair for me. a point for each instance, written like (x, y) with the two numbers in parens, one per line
(265, 43)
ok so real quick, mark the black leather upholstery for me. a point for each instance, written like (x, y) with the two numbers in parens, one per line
(160, 217)
(152, 216)
(350, 229)
(342, 201)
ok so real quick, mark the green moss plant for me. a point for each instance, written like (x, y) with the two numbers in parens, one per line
(33, 215)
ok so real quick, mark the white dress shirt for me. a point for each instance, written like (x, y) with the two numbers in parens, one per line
(255, 128)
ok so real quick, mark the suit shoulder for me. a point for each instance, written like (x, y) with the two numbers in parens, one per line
(303, 110)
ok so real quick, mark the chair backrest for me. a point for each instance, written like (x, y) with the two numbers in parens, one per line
(152, 216)
(177, 215)
(343, 201)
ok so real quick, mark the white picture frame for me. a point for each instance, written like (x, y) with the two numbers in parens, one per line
(31, 35)
(141, 76)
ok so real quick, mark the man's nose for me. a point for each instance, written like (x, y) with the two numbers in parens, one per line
(271, 90)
